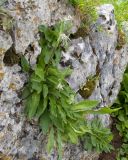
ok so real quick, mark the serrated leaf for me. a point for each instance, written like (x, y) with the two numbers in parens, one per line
(45, 90)
(24, 64)
(50, 144)
(35, 98)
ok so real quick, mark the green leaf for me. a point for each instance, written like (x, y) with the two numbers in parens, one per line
(105, 110)
(26, 92)
(39, 72)
(34, 104)
(57, 122)
(35, 78)
(73, 136)
(50, 143)
(45, 90)
(125, 82)
(66, 72)
(62, 113)
(41, 60)
(42, 28)
(24, 64)
(52, 80)
(37, 86)
(47, 55)
(41, 107)
(57, 57)
(53, 71)
(45, 122)
(84, 105)
(121, 117)
(53, 106)
(28, 104)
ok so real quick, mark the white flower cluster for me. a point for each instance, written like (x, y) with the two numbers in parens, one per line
(60, 86)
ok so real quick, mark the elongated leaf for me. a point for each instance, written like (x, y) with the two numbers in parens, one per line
(84, 105)
(41, 60)
(53, 106)
(26, 92)
(24, 64)
(57, 57)
(47, 55)
(45, 122)
(45, 90)
(53, 80)
(53, 71)
(125, 82)
(28, 104)
(57, 121)
(34, 104)
(50, 144)
(62, 113)
(41, 107)
(105, 110)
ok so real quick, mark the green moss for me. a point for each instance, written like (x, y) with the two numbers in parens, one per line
(121, 41)
(86, 90)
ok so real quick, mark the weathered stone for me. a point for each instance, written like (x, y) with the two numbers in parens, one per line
(95, 55)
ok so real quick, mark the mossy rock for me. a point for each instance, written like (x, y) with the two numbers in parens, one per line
(121, 41)
(86, 90)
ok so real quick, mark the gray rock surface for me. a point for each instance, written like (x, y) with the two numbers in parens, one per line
(22, 139)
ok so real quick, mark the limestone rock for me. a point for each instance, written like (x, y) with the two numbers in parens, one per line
(94, 55)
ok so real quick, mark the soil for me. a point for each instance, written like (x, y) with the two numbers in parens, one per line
(116, 143)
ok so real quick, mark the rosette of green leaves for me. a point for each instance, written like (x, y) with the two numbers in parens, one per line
(48, 96)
